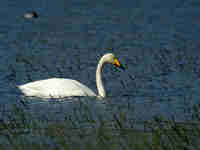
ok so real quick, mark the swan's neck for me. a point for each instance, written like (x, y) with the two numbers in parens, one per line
(100, 87)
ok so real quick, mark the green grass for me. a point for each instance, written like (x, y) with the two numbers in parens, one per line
(22, 131)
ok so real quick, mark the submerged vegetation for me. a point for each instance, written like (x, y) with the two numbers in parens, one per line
(21, 130)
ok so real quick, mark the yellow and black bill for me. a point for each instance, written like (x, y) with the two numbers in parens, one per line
(117, 63)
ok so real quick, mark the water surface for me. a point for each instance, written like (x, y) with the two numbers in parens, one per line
(157, 41)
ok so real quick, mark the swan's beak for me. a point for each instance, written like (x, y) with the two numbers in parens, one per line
(117, 63)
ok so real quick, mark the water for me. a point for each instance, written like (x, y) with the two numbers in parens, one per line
(157, 41)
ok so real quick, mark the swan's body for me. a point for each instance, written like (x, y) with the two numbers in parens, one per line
(60, 88)
(56, 88)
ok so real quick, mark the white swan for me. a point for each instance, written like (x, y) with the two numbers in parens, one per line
(60, 88)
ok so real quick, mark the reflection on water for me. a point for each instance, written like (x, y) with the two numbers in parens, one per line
(138, 108)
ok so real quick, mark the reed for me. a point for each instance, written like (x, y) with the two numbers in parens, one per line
(21, 131)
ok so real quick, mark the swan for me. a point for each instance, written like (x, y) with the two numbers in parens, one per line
(60, 87)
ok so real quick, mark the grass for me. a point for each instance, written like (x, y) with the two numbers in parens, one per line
(21, 131)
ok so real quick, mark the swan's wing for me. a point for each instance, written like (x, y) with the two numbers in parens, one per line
(83, 89)
(56, 88)
(41, 88)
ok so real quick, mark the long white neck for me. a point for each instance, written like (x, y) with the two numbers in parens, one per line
(100, 87)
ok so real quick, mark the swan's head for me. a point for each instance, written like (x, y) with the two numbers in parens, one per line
(110, 58)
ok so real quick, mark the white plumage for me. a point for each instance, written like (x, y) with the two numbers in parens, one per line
(56, 88)
(60, 88)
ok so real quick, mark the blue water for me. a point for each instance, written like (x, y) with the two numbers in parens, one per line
(158, 42)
